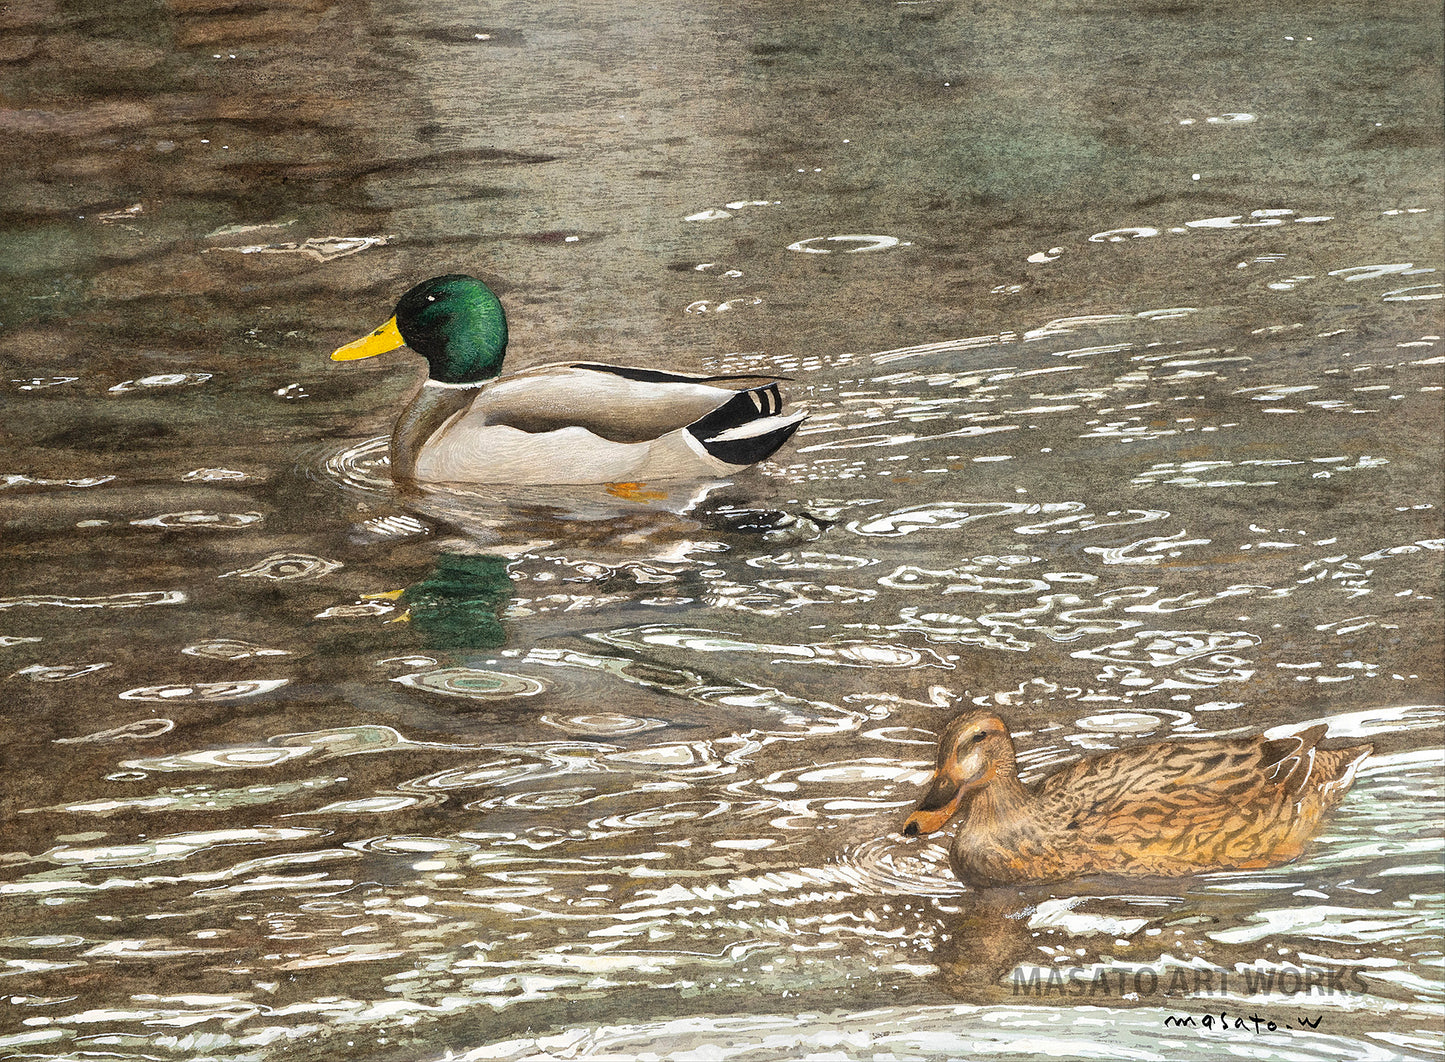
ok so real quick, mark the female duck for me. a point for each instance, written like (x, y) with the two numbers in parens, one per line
(577, 422)
(1169, 809)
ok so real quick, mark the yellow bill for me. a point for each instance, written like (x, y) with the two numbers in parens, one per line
(385, 338)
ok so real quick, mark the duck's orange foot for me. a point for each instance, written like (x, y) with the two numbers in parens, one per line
(635, 492)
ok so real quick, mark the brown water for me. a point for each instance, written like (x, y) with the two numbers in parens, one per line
(1121, 336)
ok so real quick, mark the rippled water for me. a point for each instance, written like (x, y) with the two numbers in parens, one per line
(1120, 332)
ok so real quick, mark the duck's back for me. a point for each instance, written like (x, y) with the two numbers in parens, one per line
(616, 403)
(1180, 807)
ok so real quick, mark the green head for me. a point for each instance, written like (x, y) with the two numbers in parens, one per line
(457, 323)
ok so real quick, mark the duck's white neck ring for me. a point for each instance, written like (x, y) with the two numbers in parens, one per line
(456, 386)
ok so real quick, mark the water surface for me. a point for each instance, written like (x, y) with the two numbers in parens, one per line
(1120, 331)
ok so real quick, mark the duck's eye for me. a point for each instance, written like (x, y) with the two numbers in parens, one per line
(977, 738)
(431, 298)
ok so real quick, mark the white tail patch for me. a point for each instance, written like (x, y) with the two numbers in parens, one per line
(753, 428)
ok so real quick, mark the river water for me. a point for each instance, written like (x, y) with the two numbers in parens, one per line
(1119, 327)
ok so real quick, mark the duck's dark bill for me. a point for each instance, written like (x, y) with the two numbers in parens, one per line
(385, 338)
(935, 810)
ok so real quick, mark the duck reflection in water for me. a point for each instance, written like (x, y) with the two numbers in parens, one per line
(614, 523)
(459, 605)
(622, 521)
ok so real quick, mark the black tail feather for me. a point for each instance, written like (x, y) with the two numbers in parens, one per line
(742, 408)
(746, 407)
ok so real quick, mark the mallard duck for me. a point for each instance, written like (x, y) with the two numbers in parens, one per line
(569, 423)
(1169, 809)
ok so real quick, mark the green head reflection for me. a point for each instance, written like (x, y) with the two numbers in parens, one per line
(459, 605)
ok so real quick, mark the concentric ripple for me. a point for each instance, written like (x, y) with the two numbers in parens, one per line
(889, 865)
(473, 683)
(204, 691)
(201, 519)
(231, 649)
(286, 567)
(364, 466)
(603, 724)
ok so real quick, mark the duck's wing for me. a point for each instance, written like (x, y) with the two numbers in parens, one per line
(735, 382)
(1154, 789)
(746, 428)
(1300, 768)
(1241, 802)
(616, 403)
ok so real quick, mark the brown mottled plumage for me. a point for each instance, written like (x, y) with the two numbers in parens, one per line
(1168, 809)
